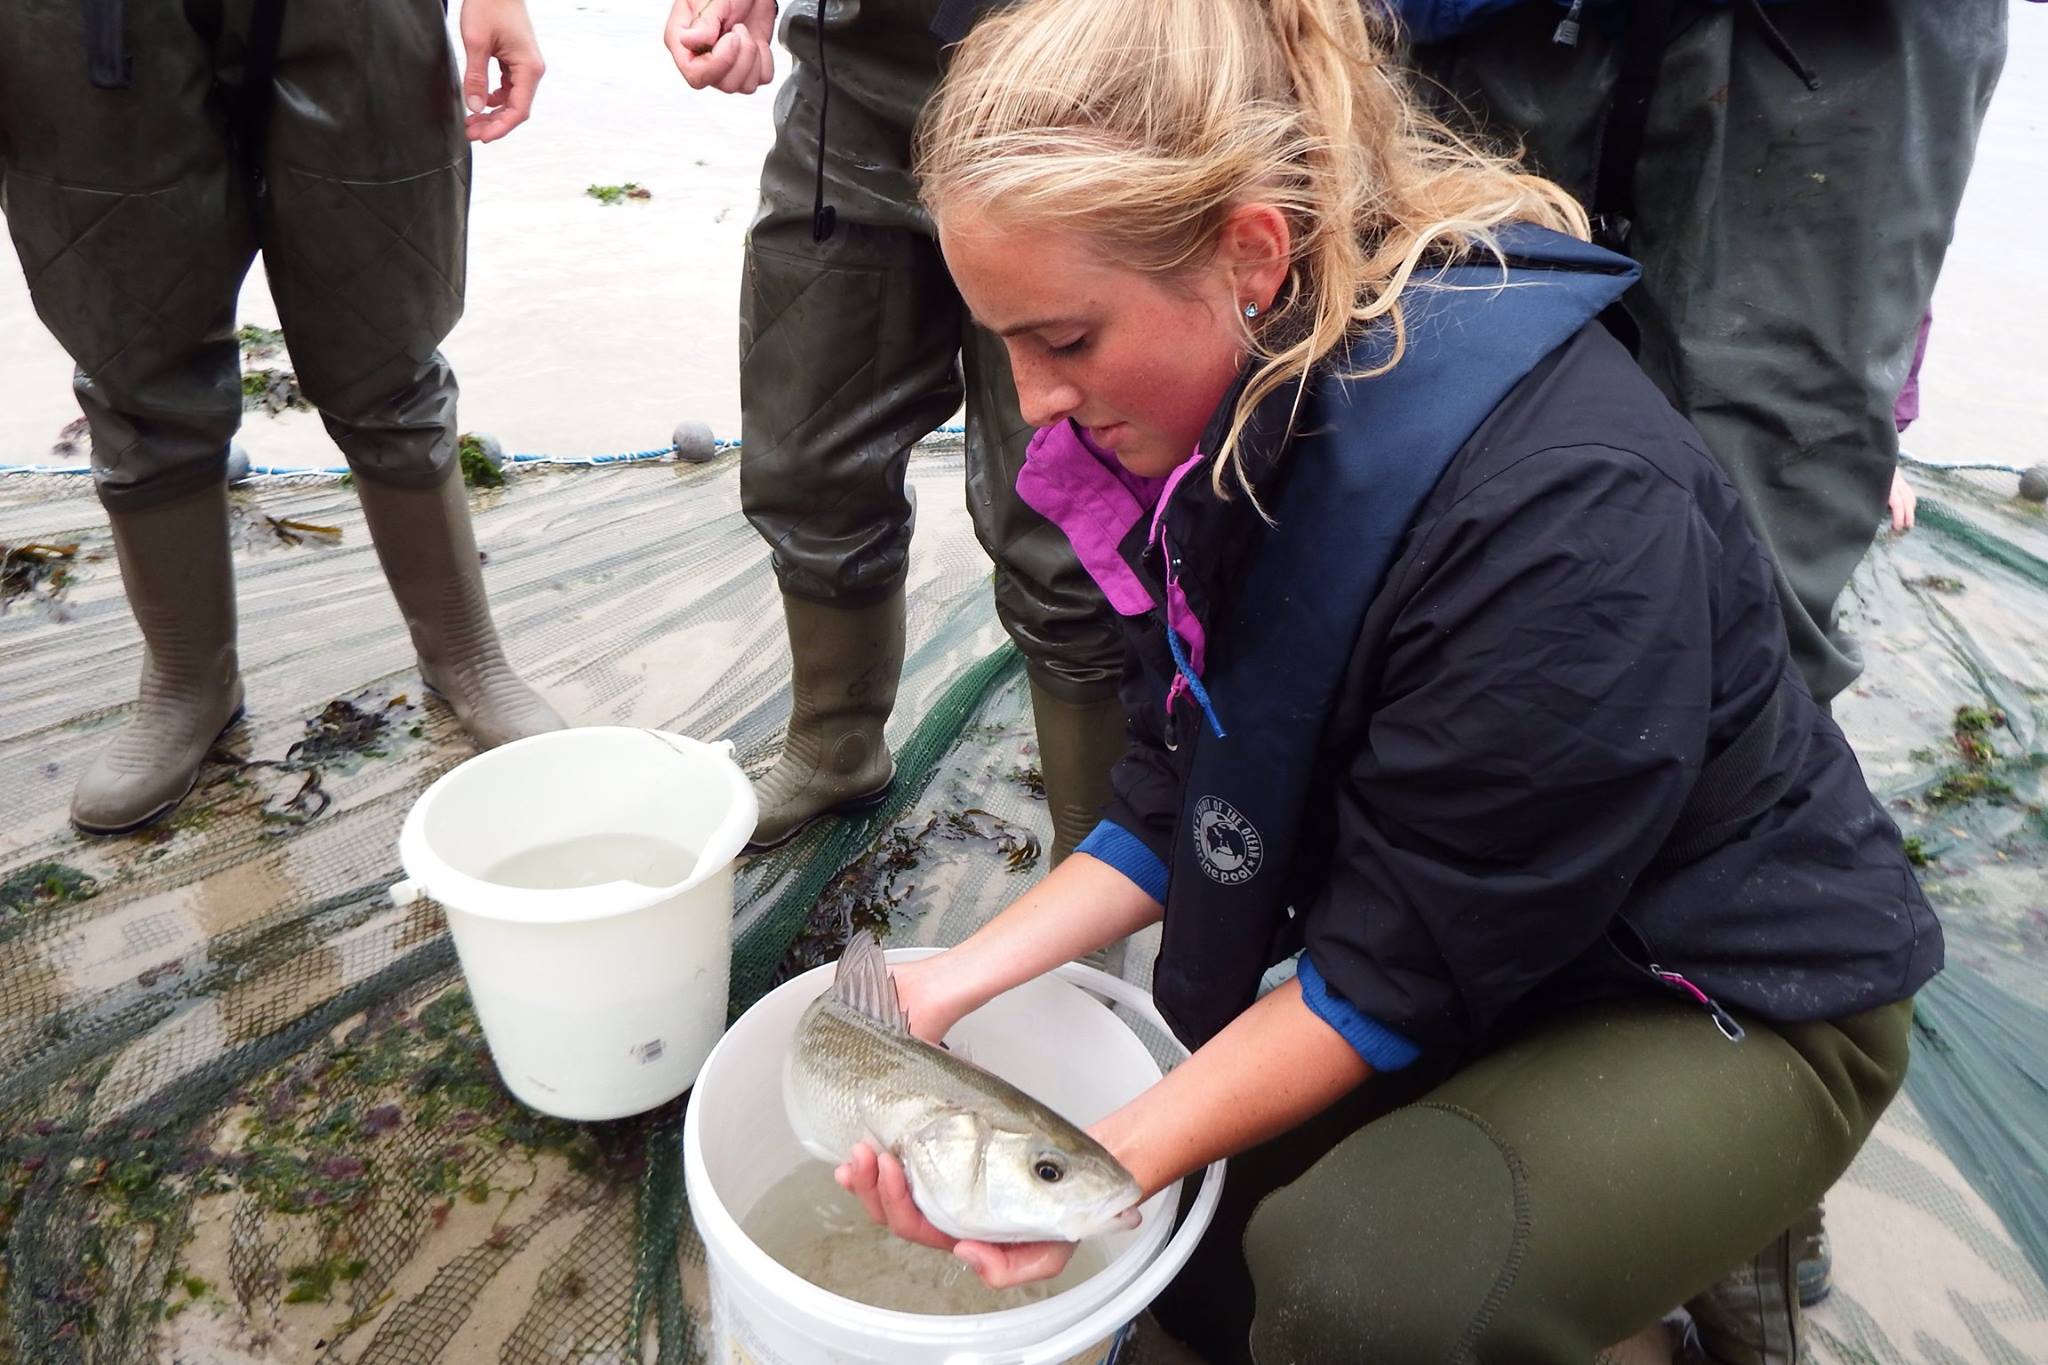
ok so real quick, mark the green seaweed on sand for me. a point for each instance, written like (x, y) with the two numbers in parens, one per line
(272, 391)
(258, 343)
(41, 885)
(619, 194)
(478, 471)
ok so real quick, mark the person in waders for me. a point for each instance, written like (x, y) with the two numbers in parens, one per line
(854, 345)
(147, 153)
(1458, 680)
(1788, 174)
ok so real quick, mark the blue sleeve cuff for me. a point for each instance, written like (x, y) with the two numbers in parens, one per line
(1126, 852)
(1385, 1049)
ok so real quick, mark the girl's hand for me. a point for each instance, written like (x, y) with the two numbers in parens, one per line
(877, 1180)
(930, 992)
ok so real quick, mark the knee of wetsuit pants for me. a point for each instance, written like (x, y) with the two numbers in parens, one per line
(1398, 1245)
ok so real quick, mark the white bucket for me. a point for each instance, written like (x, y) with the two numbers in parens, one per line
(1051, 1038)
(599, 995)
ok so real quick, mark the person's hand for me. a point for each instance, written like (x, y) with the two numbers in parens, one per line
(1903, 501)
(927, 988)
(726, 45)
(498, 29)
(877, 1180)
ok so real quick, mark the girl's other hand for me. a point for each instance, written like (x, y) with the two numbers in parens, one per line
(929, 991)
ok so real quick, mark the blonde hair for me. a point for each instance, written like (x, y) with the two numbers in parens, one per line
(1144, 123)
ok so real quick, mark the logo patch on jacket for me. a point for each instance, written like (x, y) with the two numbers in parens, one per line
(1228, 847)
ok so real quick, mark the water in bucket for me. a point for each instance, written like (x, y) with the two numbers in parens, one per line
(811, 1226)
(593, 860)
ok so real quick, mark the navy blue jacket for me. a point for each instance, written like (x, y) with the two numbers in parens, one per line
(1577, 619)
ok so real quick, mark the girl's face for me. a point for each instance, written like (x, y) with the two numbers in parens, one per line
(1137, 362)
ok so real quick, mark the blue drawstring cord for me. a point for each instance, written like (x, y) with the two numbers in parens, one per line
(1187, 674)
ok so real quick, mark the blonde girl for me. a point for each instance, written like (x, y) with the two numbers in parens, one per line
(1456, 681)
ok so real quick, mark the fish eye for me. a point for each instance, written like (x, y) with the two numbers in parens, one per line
(1048, 1170)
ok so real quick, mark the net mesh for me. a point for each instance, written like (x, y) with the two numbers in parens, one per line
(245, 1109)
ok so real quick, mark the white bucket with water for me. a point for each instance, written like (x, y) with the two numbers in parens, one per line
(587, 878)
(1052, 1038)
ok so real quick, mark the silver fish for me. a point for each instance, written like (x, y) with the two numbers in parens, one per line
(984, 1160)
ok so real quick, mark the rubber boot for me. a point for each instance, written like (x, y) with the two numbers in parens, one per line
(1078, 743)
(179, 576)
(844, 666)
(1750, 1317)
(428, 549)
(1814, 1262)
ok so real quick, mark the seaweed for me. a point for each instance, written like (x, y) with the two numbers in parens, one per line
(867, 892)
(73, 440)
(258, 343)
(619, 194)
(478, 469)
(36, 571)
(296, 533)
(1031, 778)
(349, 729)
(41, 885)
(272, 391)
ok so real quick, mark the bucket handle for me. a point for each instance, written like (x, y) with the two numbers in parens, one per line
(1105, 1321)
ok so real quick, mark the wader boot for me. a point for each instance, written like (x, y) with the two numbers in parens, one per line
(845, 662)
(179, 576)
(1078, 743)
(1814, 1262)
(1750, 1317)
(428, 549)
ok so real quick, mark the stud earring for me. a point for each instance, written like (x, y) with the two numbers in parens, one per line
(1251, 310)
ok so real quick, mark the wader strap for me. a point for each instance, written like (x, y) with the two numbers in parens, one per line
(1613, 200)
(823, 219)
(1728, 795)
(106, 52)
(259, 92)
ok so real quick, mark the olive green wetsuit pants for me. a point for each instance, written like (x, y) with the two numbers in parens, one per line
(855, 347)
(1540, 1203)
(136, 218)
(1789, 238)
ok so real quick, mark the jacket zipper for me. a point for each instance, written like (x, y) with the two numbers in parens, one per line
(1645, 961)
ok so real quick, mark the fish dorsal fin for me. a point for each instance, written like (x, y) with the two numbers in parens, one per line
(863, 983)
